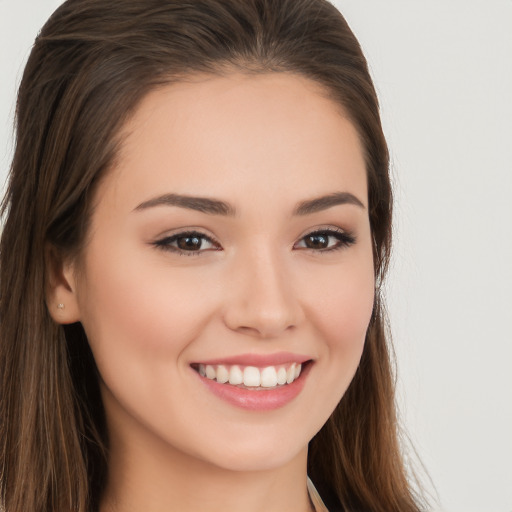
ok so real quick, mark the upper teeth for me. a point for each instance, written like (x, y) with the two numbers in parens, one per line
(251, 376)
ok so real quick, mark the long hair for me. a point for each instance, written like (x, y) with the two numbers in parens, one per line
(89, 68)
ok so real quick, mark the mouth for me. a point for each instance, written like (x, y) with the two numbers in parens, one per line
(255, 382)
(253, 378)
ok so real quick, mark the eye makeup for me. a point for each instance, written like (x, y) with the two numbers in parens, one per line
(194, 243)
(188, 243)
(326, 240)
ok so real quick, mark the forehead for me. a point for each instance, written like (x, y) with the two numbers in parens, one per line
(219, 135)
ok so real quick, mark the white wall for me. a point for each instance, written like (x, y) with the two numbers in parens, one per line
(443, 70)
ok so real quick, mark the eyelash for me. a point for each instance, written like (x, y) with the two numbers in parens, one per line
(165, 243)
(344, 239)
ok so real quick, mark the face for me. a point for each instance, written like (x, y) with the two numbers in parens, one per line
(229, 250)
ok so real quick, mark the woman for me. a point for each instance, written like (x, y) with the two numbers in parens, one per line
(197, 225)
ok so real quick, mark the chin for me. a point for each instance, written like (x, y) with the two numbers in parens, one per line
(249, 460)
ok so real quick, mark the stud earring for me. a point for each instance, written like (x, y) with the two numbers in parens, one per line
(60, 306)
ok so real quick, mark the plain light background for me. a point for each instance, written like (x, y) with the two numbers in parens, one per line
(443, 72)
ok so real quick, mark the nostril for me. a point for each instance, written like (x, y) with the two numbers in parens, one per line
(263, 326)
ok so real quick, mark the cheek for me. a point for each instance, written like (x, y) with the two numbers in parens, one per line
(346, 326)
(343, 311)
(340, 311)
(139, 319)
(130, 304)
(344, 307)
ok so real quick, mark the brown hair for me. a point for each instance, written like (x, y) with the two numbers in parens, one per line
(90, 66)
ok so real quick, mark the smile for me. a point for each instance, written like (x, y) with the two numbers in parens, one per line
(266, 384)
(251, 377)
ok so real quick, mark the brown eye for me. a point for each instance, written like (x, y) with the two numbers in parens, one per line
(317, 241)
(325, 240)
(189, 243)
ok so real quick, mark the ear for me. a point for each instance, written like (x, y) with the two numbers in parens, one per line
(61, 296)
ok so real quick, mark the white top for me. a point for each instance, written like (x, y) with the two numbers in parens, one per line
(316, 501)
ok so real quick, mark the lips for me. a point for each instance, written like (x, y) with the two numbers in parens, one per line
(255, 382)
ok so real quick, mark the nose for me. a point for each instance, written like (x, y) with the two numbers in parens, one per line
(263, 301)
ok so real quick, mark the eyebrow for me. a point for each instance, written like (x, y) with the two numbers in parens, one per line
(217, 207)
(323, 203)
(200, 204)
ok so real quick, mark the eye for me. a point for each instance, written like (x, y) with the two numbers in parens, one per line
(325, 240)
(189, 243)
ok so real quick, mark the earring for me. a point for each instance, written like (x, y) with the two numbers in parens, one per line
(60, 306)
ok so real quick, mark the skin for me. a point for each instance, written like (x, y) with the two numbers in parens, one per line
(264, 144)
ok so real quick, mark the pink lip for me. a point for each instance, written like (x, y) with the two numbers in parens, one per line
(257, 400)
(259, 360)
